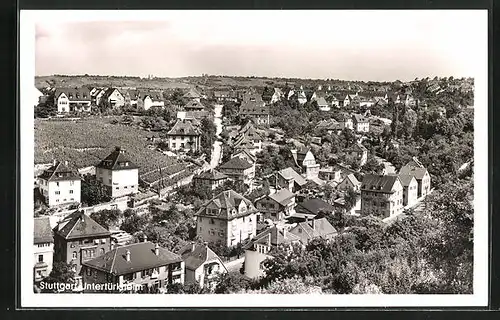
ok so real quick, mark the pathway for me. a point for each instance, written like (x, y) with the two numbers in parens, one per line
(217, 146)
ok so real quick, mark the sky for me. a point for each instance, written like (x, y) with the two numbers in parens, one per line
(327, 44)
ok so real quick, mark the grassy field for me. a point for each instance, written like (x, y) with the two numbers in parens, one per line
(85, 142)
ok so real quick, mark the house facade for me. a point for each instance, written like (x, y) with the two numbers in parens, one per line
(142, 267)
(238, 169)
(277, 206)
(78, 238)
(381, 196)
(360, 153)
(290, 179)
(118, 174)
(184, 136)
(313, 229)
(72, 99)
(228, 218)
(202, 265)
(349, 182)
(60, 184)
(258, 250)
(410, 189)
(114, 97)
(421, 175)
(43, 248)
(360, 123)
(304, 159)
(211, 179)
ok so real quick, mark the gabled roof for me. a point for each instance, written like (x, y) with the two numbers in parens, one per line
(321, 102)
(330, 124)
(405, 179)
(414, 162)
(226, 201)
(74, 94)
(275, 236)
(142, 257)
(315, 228)
(193, 259)
(183, 128)
(211, 175)
(109, 92)
(192, 94)
(352, 179)
(194, 105)
(60, 172)
(300, 155)
(359, 118)
(78, 225)
(314, 206)
(378, 183)
(236, 163)
(418, 172)
(117, 160)
(289, 173)
(244, 152)
(253, 108)
(283, 196)
(42, 232)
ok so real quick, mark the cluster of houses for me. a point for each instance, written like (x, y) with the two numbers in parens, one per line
(292, 212)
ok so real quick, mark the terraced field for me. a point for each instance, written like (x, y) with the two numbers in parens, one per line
(85, 142)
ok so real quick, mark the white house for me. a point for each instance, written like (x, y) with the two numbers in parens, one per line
(202, 265)
(322, 104)
(72, 99)
(184, 136)
(118, 174)
(43, 248)
(361, 124)
(37, 96)
(60, 185)
(277, 95)
(114, 97)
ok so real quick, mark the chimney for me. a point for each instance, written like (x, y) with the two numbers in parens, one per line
(193, 246)
(127, 255)
(66, 162)
(269, 238)
(54, 162)
(205, 244)
(285, 231)
(157, 249)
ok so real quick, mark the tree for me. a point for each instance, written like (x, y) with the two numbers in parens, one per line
(208, 135)
(106, 218)
(350, 198)
(62, 272)
(232, 282)
(133, 224)
(94, 192)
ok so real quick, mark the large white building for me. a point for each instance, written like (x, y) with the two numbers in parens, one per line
(118, 174)
(228, 218)
(60, 184)
(184, 136)
(72, 99)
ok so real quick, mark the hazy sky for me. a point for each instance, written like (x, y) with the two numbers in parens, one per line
(350, 45)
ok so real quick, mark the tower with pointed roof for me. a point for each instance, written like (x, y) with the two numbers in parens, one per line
(118, 174)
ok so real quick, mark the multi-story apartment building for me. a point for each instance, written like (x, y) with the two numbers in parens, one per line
(202, 265)
(139, 267)
(381, 195)
(43, 248)
(184, 136)
(228, 218)
(118, 174)
(60, 184)
(277, 206)
(78, 238)
(239, 169)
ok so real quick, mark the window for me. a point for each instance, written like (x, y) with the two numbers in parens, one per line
(40, 258)
(96, 241)
(212, 221)
(71, 183)
(102, 251)
(88, 272)
(125, 187)
(70, 191)
(103, 240)
(75, 254)
(200, 229)
(58, 192)
(117, 188)
(57, 184)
